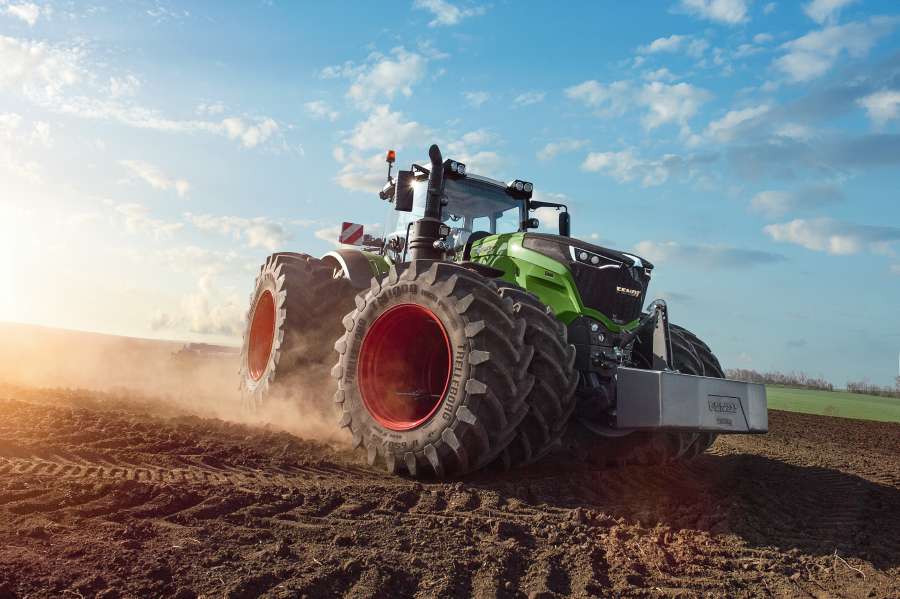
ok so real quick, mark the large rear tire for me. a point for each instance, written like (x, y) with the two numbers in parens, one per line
(552, 398)
(690, 355)
(433, 371)
(294, 318)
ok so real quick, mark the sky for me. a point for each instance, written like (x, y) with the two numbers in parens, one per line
(153, 153)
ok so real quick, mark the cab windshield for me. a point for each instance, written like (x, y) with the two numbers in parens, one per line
(473, 204)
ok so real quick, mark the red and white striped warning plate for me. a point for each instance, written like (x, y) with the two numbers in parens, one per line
(351, 233)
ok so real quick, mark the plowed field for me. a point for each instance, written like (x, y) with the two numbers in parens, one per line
(115, 496)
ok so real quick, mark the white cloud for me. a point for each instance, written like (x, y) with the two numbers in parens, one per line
(155, 177)
(826, 11)
(675, 103)
(895, 269)
(554, 148)
(769, 8)
(41, 134)
(361, 173)
(469, 149)
(126, 86)
(483, 162)
(319, 109)
(210, 108)
(347, 70)
(833, 236)
(762, 38)
(12, 129)
(661, 74)
(529, 98)
(882, 106)
(774, 204)
(137, 219)
(446, 13)
(477, 137)
(384, 130)
(771, 203)
(812, 55)
(204, 311)
(704, 256)
(730, 12)
(27, 11)
(194, 259)
(38, 69)
(672, 43)
(625, 166)
(15, 139)
(330, 234)
(745, 50)
(45, 74)
(609, 100)
(476, 99)
(250, 134)
(387, 76)
(725, 128)
(254, 232)
(694, 47)
(211, 314)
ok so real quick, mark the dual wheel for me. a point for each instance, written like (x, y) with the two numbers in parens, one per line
(440, 371)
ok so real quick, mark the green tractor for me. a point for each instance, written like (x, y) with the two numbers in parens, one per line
(464, 339)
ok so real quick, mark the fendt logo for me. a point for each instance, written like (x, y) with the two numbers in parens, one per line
(627, 291)
(722, 406)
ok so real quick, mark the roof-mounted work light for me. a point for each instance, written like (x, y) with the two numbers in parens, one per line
(454, 168)
(520, 189)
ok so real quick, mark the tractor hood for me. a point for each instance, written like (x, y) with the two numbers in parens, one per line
(611, 282)
(561, 248)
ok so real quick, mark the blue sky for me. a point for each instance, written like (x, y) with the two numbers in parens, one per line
(152, 154)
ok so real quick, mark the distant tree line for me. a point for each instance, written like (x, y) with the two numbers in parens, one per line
(791, 379)
(869, 389)
(803, 381)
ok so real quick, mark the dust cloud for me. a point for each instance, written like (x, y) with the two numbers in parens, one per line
(164, 378)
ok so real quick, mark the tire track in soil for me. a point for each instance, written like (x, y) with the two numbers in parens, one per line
(150, 506)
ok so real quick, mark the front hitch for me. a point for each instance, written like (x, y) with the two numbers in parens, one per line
(657, 317)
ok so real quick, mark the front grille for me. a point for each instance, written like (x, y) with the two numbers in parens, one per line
(599, 289)
(598, 273)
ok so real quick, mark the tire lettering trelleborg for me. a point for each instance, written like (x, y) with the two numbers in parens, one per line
(449, 407)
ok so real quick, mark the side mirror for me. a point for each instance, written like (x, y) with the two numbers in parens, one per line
(565, 224)
(403, 195)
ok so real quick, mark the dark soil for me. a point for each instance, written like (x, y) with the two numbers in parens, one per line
(104, 496)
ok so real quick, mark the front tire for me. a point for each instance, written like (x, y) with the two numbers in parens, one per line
(433, 371)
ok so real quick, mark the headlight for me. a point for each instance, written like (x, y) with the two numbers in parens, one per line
(593, 259)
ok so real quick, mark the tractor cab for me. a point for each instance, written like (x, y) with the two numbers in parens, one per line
(472, 207)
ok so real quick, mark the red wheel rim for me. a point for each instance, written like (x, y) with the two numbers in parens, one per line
(404, 367)
(262, 334)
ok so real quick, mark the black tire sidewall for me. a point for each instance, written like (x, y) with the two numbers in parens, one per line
(429, 432)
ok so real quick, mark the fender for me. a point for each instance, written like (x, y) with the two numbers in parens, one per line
(358, 266)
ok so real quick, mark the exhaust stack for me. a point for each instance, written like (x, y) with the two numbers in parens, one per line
(426, 231)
